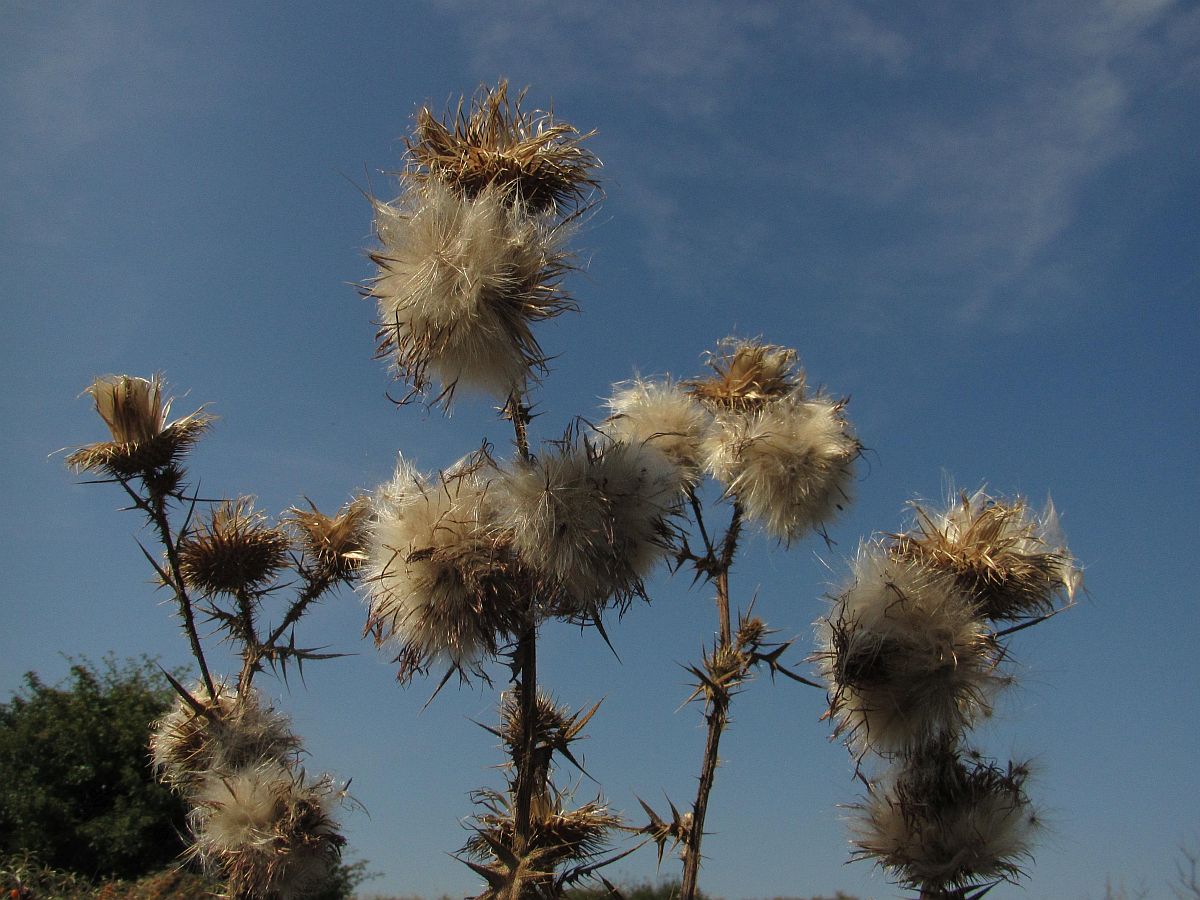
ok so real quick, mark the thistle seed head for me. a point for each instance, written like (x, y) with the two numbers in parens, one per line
(202, 734)
(233, 550)
(664, 416)
(267, 830)
(492, 143)
(905, 656)
(789, 463)
(1013, 563)
(942, 824)
(461, 281)
(748, 374)
(591, 520)
(144, 443)
(441, 581)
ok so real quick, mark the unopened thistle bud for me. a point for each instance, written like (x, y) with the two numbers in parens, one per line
(905, 656)
(441, 582)
(461, 282)
(664, 416)
(233, 550)
(143, 442)
(941, 824)
(1012, 563)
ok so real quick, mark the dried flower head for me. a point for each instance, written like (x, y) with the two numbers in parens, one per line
(789, 463)
(233, 550)
(461, 282)
(905, 656)
(334, 545)
(441, 582)
(941, 824)
(493, 143)
(591, 520)
(748, 374)
(663, 415)
(267, 830)
(1013, 563)
(143, 442)
(202, 734)
(559, 835)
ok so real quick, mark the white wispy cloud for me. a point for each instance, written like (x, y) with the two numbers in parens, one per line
(975, 130)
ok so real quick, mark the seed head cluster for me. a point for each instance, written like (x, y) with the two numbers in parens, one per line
(912, 655)
(471, 256)
(785, 457)
(233, 549)
(256, 819)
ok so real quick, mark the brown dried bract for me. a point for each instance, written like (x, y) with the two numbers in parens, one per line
(747, 375)
(492, 141)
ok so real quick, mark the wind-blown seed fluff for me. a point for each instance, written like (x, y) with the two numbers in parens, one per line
(441, 583)
(789, 463)
(1012, 562)
(662, 415)
(591, 520)
(268, 830)
(904, 656)
(232, 731)
(461, 282)
(940, 824)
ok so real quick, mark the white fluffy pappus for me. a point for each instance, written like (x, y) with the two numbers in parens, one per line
(441, 584)
(460, 282)
(904, 655)
(591, 520)
(789, 464)
(942, 824)
(186, 744)
(662, 415)
(267, 829)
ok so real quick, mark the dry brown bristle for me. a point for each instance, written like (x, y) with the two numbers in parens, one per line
(335, 543)
(491, 140)
(747, 375)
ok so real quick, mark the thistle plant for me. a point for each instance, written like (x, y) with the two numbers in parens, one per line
(783, 459)
(257, 820)
(913, 652)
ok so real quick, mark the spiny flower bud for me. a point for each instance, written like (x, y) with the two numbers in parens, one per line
(334, 544)
(233, 550)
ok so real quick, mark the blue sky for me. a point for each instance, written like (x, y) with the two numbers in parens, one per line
(976, 220)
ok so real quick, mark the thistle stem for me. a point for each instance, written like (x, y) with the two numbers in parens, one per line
(719, 698)
(156, 511)
(526, 674)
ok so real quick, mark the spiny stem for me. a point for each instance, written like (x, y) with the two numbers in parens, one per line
(719, 698)
(526, 659)
(156, 511)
